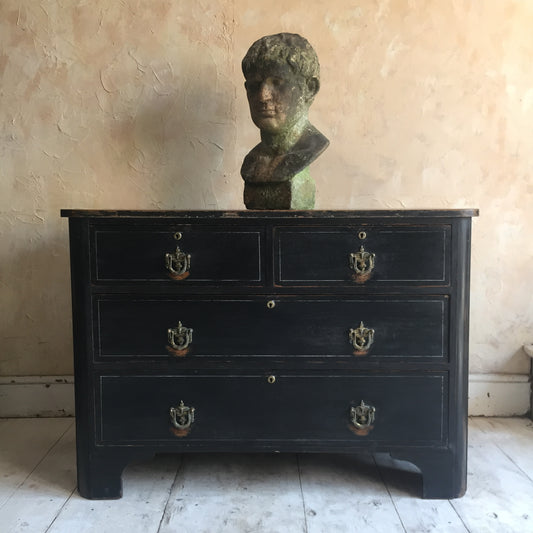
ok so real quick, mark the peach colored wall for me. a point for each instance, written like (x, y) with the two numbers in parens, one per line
(140, 104)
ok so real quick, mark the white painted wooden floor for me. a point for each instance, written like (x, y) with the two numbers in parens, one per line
(263, 493)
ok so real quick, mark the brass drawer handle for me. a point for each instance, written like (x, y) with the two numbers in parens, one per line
(182, 418)
(363, 416)
(178, 264)
(361, 339)
(179, 338)
(362, 263)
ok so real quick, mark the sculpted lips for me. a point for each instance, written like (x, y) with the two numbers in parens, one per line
(265, 110)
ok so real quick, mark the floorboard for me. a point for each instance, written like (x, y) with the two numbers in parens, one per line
(345, 493)
(227, 493)
(500, 495)
(404, 483)
(514, 437)
(24, 443)
(39, 499)
(139, 511)
(245, 493)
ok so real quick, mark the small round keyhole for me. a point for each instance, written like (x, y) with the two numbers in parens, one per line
(271, 379)
(178, 235)
(271, 304)
(362, 235)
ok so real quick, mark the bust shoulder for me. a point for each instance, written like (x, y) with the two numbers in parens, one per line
(261, 165)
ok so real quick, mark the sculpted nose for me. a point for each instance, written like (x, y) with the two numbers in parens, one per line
(265, 92)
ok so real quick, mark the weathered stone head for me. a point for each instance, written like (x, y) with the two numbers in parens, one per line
(282, 78)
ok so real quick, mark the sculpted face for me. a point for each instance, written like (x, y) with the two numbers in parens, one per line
(277, 97)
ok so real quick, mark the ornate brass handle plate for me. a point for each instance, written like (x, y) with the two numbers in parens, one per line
(361, 339)
(362, 418)
(181, 418)
(179, 339)
(178, 264)
(362, 263)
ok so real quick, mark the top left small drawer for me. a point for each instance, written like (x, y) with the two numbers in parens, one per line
(177, 253)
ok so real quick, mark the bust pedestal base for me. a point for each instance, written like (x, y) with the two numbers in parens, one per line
(296, 193)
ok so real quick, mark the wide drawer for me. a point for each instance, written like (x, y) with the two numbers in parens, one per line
(180, 253)
(198, 326)
(399, 409)
(364, 254)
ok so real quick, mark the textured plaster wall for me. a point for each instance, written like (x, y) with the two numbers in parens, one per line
(140, 104)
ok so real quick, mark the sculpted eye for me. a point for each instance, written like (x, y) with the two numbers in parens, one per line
(252, 86)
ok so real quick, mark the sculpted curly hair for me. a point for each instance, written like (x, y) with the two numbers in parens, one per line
(289, 48)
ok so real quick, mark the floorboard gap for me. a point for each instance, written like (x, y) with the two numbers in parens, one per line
(302, 492)
(170, 492)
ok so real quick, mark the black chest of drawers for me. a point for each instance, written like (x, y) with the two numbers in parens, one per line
(289, 331)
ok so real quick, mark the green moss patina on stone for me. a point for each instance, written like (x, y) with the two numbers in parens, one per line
(282, 77)
(295, 193)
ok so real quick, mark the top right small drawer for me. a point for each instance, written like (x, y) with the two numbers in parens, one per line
(363, 255)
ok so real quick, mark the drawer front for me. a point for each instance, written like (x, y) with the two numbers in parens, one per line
(369, 255)
(259, 327)
(400, 409)
(181, 254)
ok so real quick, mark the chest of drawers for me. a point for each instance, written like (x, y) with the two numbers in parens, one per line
(286, 331)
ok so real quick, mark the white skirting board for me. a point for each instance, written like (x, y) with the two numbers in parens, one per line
(53, 396)
(31, 396)
(499, 394)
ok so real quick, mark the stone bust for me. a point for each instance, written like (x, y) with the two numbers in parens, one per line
(282, 76)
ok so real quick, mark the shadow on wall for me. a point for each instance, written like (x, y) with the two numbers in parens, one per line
(35, 327)
(163, 145)
(180, 142)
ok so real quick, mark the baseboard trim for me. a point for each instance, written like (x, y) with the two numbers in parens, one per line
(53, 396)
(499, 394)
(36, 396)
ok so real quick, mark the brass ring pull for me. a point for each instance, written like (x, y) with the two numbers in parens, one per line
(361, 339)
(179, 339)
(178, 264)
(181, 418)
(363, 416)
(362, 263)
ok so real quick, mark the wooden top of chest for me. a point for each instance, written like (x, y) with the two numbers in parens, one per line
(278, 214)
